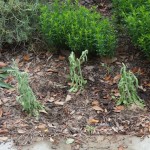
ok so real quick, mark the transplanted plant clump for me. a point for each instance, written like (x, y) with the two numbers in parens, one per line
(67, 25)
(77, 80)
(128, 85)
(27, 98)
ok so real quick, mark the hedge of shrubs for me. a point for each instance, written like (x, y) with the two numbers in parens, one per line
(135, 15)
(77, 28)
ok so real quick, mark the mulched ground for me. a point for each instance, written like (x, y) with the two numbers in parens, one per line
(74, 114)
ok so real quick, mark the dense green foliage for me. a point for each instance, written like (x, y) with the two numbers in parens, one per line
(128, 85)
(77, 80)
(135, 14)
(18, 20)
(77, 28)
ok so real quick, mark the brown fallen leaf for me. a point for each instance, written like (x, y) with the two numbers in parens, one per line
(3, 131)
(42, 127)
(23, 125)
(43, 111)
(61, 58)
(147, 84)
(92, 121)
(117, 78)
(117, 94)
(95, 103)
(119, 108)
(9, 79)
(120, 147)
(2, 64)
(3, 139)
(51, 70)
(135, 69)
(1, 112)
(26, 57)
(98, 108)
(59, 103)
(107, 78)
(138, 70)
(109, 60)
(20, 131)
(68, 98)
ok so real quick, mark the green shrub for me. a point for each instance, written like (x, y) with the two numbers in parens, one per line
(138, 25)
(77, 28)
(134, 15)
(18, 20)
(122, 7)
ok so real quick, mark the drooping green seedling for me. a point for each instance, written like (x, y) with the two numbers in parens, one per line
(77, 80)
(26, 96)
(128, 85)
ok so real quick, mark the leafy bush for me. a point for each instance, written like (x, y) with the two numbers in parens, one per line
(18, 20)
(128, 85)
(77, 28)
(134, 14)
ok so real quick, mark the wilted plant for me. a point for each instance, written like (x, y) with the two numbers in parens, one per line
(77, 80)
(128, 85)
(27, 98)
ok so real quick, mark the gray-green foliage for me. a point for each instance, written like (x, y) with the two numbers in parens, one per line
(77, 80)
(18, 20)
(26, 96)
(128, 85)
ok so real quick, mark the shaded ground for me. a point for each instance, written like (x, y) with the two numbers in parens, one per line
(91, 111)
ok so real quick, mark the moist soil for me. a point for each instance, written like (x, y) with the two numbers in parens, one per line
(92, 111)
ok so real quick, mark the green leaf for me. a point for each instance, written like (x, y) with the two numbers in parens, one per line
(5, 85)
(3, 75)
(5, 69)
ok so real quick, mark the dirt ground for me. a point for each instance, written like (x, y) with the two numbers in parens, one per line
(92, 111)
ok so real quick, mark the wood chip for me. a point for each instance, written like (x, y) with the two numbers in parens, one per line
(20, 131)
(92, 121)
(59, 103)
